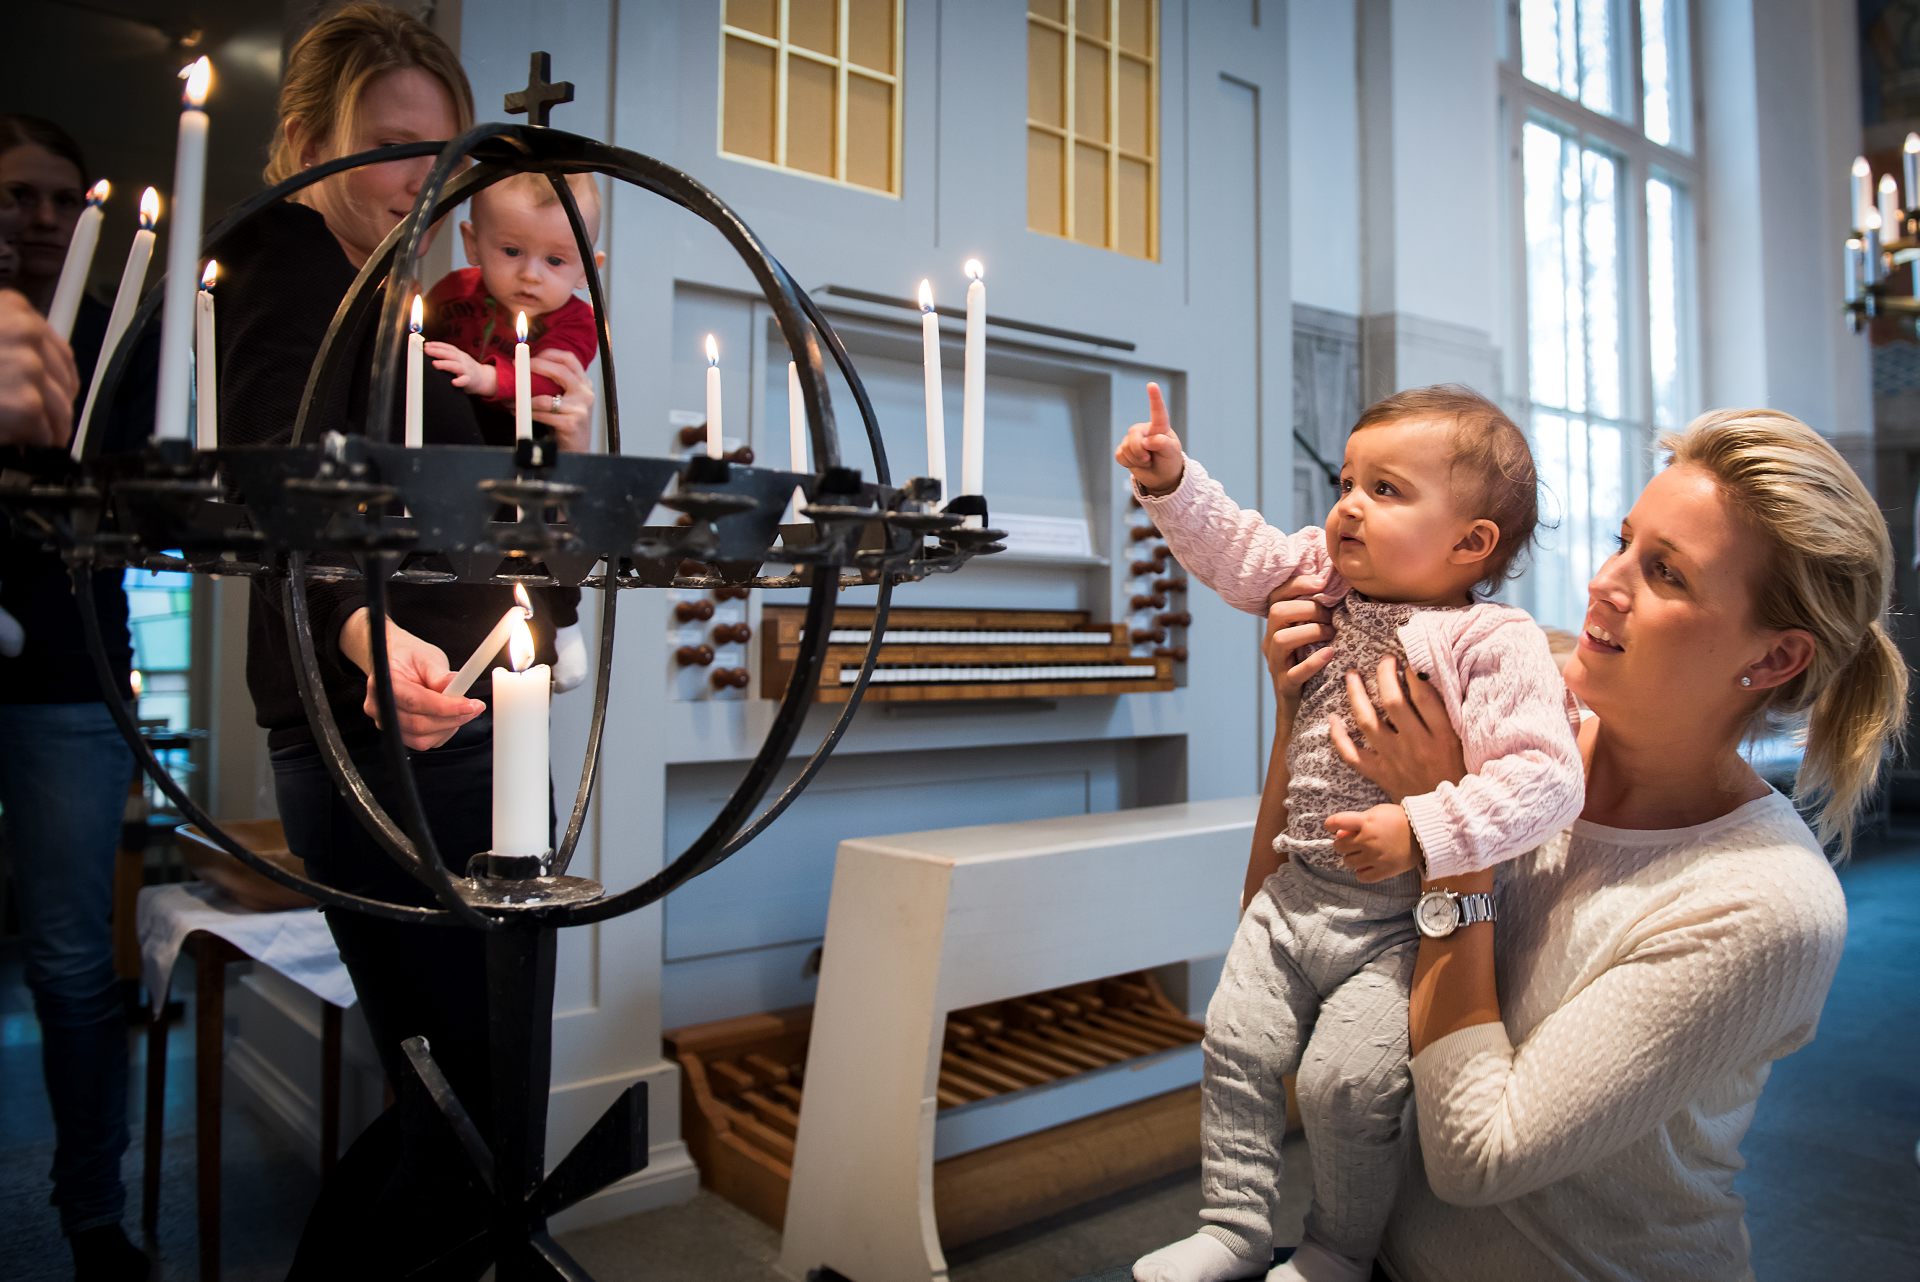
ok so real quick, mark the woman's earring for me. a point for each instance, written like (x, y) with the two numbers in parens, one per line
(1746, 681)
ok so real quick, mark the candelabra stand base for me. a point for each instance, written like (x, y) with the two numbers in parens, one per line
(519, 1194)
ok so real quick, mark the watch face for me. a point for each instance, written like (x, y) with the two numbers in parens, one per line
(1436, 914)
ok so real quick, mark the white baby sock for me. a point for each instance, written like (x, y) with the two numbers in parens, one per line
(1200, 1258)
(1315, 1263)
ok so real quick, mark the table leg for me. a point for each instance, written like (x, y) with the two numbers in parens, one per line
(329, 1086)
(155, 1122)
(210, 967)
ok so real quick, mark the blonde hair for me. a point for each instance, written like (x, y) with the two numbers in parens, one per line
(1829, 572)
(334, 62)
(1500, 483)
(538, 192)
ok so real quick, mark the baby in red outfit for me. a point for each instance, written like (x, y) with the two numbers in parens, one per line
(524, 259)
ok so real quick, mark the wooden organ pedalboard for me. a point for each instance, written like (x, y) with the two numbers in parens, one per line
(741, 1086)
(931, 655)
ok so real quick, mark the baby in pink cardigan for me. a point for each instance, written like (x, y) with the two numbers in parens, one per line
(1437, 499)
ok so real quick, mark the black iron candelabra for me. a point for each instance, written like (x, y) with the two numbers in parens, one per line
(361, 507)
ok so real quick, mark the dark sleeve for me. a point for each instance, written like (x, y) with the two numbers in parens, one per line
(563, 605)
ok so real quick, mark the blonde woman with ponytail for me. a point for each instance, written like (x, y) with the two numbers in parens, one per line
(1587, 1062)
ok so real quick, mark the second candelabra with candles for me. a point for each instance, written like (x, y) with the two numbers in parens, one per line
(1884, 238)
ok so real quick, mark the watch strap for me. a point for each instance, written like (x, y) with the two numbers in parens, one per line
(1477, 907)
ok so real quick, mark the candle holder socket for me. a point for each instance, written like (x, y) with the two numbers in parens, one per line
(491, 865)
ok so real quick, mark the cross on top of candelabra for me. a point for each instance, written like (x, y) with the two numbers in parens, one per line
(542, 94)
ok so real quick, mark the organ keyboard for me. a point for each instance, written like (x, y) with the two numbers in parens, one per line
(931, 655)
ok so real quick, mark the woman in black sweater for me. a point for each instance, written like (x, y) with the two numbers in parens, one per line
(363, 77)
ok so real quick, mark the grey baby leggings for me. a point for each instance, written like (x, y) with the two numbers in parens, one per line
(1316, 981)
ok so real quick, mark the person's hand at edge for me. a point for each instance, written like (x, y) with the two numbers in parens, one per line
(38, 380)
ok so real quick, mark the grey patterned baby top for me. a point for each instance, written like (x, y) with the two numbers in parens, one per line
(1320, 784)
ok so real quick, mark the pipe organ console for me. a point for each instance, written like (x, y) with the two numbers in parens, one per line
(932, 655)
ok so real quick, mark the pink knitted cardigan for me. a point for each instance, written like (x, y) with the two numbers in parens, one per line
(1517, 722)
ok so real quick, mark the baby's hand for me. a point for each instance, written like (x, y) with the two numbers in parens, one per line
(1376, 843)
(1150, 450)
(472, 376)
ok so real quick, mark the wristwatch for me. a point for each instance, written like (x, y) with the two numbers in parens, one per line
(1441, 912)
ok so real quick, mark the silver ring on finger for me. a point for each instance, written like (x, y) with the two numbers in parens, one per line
(556, 402)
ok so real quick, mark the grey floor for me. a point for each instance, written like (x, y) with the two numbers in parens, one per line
(1832, 1185)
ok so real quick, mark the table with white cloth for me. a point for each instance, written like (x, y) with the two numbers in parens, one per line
(215, 931)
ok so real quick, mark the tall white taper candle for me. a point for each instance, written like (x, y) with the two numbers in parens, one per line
(1910, 170)
(482, 656)
(416, 357)
(973, 408)
(714, 449)
(796, 441)
(133, 278)
(936, 397)
(78, 263)
(183, 255)
(206, 387)
(522, 382)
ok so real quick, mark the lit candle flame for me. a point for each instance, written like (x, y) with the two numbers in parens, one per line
(975, 269)
(210, 275)
(136, 683)
(713, 351)
(1913, 144)
(1887, 184)
(519, 645)
(1854, 245)
(520, 599)
(417, 319)
(1861, 168)
(926, 295)
(149, 209)
(520, 327)
(199, 78)
(1872, 220)
(98, 193)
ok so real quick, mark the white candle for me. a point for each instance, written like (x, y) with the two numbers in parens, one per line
(713, 398)
(482, 656)
(796, 441)
(1862, 191)
(936, 398)
(206, 391)
(1872, 238)
(416, 349)
(132, 279)
(1856, 251)
(522, 383)
(973, 411)
(183, 254)
(1890, 206)
(78, 262)
(520, 778)
(1910, 168)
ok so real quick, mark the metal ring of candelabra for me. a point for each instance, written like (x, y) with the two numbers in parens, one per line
(503, 149)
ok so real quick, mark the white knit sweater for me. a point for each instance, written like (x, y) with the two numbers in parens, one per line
(1647, 979)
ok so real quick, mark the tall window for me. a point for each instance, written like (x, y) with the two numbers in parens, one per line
(1093, 122)
(1598, 98)
(814, 86)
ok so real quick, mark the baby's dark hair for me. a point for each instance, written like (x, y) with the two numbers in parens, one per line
(1492, 464)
